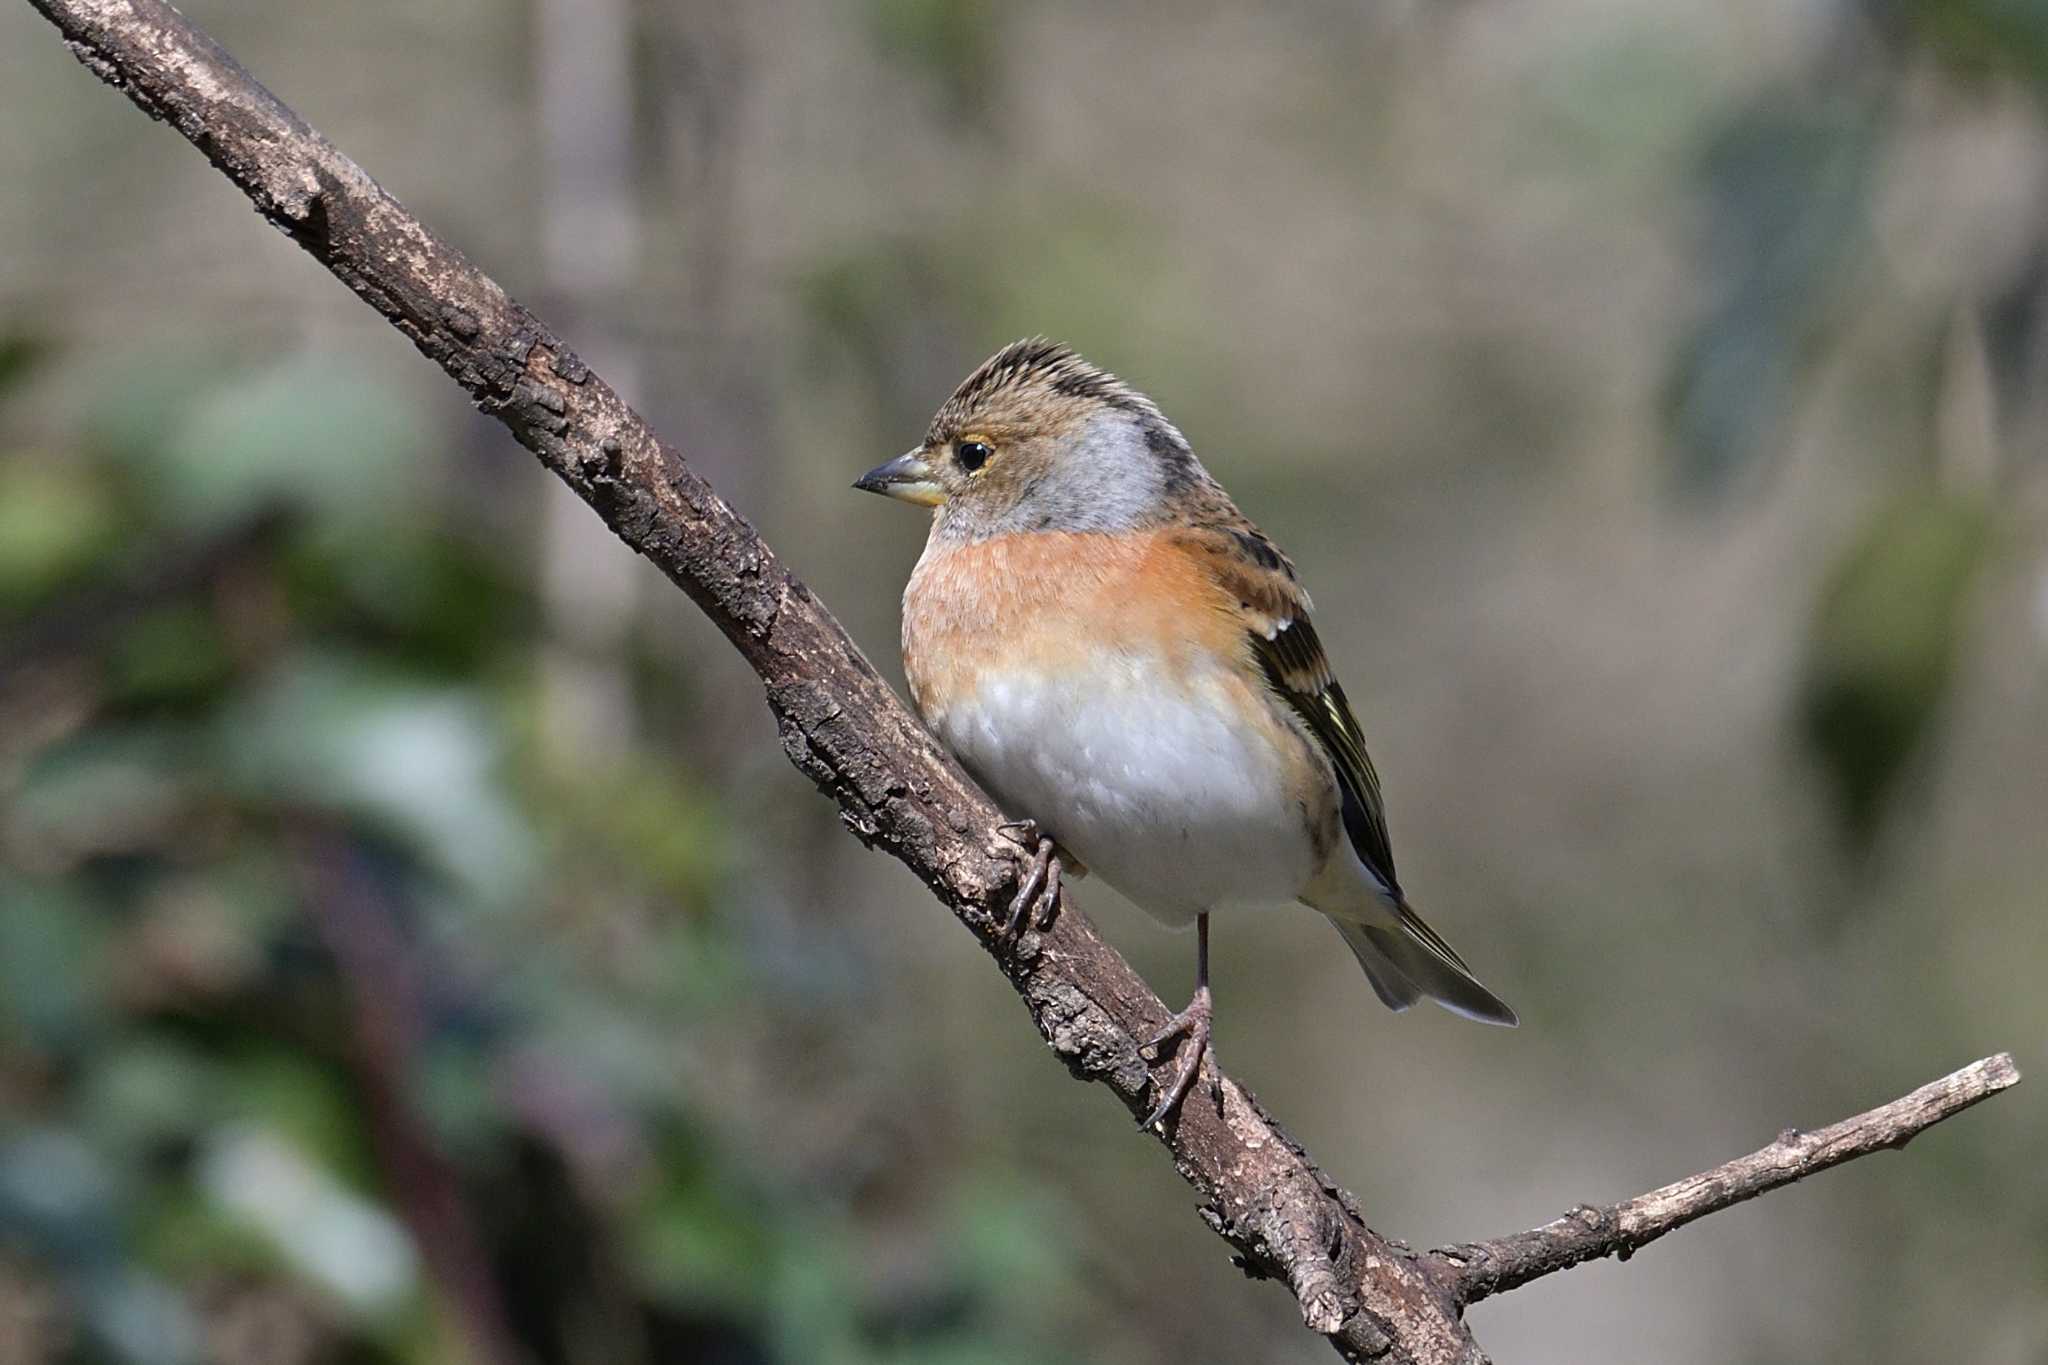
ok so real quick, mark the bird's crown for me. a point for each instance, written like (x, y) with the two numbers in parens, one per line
(1038, 375)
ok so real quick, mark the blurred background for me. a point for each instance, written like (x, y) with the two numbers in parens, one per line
(415, 948)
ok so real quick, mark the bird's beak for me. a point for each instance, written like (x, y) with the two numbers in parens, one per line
(907, 478)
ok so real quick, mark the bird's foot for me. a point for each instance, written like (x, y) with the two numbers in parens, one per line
(1038, 888)
(1191, 1028)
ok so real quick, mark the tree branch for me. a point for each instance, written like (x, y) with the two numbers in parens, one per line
(840, 723)
(1588, 1234)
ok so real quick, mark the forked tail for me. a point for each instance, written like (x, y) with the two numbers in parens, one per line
(1406, 960)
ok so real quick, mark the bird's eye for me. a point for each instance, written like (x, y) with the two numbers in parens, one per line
(972, 455)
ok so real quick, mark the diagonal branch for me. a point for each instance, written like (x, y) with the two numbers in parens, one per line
(1588, 1234)
(840, 723)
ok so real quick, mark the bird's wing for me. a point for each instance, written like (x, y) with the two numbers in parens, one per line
(1282, 639)
(1403, 956)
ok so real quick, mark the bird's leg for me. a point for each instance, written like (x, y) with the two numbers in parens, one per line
(1038, 889)
(1190, 1025)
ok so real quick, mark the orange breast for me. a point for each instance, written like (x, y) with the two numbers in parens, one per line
(1050, 602)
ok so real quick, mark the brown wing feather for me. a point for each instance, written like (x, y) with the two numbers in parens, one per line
(1299, 671)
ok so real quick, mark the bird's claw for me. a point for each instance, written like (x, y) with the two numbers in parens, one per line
(1192, 1026)
(1038, 889)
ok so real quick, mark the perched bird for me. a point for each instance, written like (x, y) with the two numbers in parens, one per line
(1120, 657)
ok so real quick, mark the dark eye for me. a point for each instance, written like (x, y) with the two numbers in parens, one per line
(972, 455)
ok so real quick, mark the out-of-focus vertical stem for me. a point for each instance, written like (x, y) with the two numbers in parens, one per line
(590, 233)
(381, 980)
(1967, 449)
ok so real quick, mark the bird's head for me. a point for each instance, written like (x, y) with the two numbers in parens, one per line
(1038, 439)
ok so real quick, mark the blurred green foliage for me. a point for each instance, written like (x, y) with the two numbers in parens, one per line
(297, 948)
(1885, 638)
(311, 928)
(1980, 37)
(1784, 187)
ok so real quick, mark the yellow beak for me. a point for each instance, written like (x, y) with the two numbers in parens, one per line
(907, 478)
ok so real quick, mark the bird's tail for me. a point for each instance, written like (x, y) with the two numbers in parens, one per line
(1405, 959)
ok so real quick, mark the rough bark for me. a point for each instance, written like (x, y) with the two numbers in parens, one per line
(840, 723)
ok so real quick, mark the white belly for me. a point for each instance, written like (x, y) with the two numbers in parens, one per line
(1155, 789)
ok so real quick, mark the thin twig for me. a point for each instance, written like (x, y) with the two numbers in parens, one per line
(841, 725)
(1588, 1233)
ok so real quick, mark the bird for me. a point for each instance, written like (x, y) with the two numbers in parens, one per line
(1124, 661)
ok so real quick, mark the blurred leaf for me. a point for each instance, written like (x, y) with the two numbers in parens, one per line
(175, 652)
(183, 1233)
(49, 955)
(645, 818)
(1786, 186)
(59, 1201)
(55, 521)
(141, 1319)
(55, 1193)
(299, 1100)
(308, 433)
(442, 603)
(129, 406)
(697, 1238)
(1883, 645)
(349, 1246)
(107, 791)
(420, 762)
(1010, 1246)
(147, 1092)
(22, 353)
(1979, 37)
(816, 1282)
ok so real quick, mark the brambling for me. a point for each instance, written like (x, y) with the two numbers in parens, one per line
(1115, 652)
